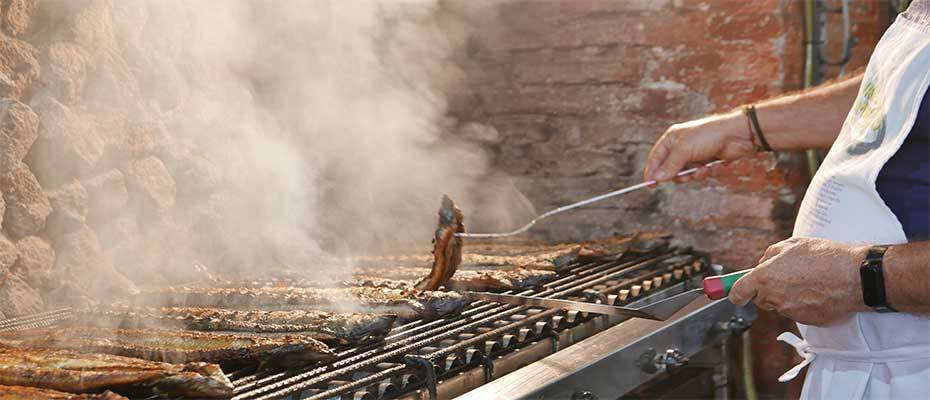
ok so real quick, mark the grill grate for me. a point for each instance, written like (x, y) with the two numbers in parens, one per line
(34, 321)
(415, 355)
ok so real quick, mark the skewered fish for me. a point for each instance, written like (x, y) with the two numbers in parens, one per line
(336, 328)
(520, 254)
(174, 346)
(470, 279)
(73, 372)
(447, 248)
(26, 392)
(491, 280)
(404, 303)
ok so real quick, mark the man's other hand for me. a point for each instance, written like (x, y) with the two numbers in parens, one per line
(811, 281)
(723, 136)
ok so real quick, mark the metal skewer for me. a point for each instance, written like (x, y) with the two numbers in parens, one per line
(582, 203)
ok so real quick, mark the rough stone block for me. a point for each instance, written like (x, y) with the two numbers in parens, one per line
(36, 258)
(17, 16)
(196, 176)
(8, 254)
(118, 230)
(19, 127)
(18, 67)
(68, 145)
(150, 184)
(69, 209)
(81, 260)
(26, 205)
(17, 298)
(65, 65)
(106, 196)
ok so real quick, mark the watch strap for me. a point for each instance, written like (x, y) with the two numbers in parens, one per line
(871, 274)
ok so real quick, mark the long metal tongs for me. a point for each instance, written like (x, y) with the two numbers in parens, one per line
(582, 203)
(714, 287)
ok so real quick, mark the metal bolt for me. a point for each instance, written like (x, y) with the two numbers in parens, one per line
(583, 395)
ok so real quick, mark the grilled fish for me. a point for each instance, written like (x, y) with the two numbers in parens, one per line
(174, 346)
(404, 303)
(26, 392)
(74, 372)
(531, 255)
(470, 279)
(333, 328)
(447, 248)
(500, 280)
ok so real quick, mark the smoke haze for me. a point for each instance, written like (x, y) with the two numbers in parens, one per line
(260, 134)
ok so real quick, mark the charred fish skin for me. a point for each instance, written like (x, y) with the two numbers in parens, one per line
(380, 300)
(76, 372)
(26, 392)
(434, 305)
(169, 345)
(447, 247)
(334, 328)
(197, 379)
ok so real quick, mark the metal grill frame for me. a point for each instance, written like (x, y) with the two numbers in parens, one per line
(482, 343)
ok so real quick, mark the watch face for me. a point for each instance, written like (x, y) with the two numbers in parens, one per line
(873, 289)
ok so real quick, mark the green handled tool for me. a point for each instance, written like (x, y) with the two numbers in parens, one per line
(714, 287)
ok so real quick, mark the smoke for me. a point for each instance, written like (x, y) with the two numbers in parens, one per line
(253, 135)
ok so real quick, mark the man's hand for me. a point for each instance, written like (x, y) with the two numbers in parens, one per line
(722, 137)
(811, 281)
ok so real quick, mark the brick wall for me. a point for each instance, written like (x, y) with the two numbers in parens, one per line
(580, 90)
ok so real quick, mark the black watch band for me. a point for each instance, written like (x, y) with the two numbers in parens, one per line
(873, 281)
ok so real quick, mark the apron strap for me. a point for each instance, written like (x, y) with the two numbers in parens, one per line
(809, 353)
(803, 350)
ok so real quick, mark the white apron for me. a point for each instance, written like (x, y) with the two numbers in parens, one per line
(868, 355)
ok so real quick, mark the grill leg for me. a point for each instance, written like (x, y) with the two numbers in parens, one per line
(721, 375)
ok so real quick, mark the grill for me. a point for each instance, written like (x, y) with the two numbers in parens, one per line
(476, 352)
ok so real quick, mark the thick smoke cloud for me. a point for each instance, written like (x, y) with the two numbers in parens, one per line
(255, 135)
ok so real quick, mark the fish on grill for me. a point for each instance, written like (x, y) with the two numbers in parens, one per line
(500, 280)
(404, 303)
(74, 372)
(468, 279)
(333, 328)
(175, 346)
(559, 256)
(27, 392)
(447, 248)
(531, 255)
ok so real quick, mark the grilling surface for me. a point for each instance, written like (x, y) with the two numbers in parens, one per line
(279, 338)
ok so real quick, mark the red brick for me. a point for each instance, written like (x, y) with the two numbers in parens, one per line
(731, 6)
(566, 100)
(699, 204)
(755, 27)
(728, 94)
(593, 64)
(671, 29)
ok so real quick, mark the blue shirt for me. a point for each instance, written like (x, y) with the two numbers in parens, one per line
(904, 181)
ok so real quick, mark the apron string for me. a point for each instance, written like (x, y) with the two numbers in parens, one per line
(809, 353)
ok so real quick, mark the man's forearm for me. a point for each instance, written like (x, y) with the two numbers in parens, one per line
(906, 270)
(810, 119)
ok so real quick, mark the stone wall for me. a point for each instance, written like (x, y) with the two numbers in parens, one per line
(578, 92)
(568, 97)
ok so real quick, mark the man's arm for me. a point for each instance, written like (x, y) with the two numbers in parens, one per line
(810, 119)
(816, 281)
(906, 270)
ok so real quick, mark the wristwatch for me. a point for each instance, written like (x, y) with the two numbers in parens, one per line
(873, 282)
